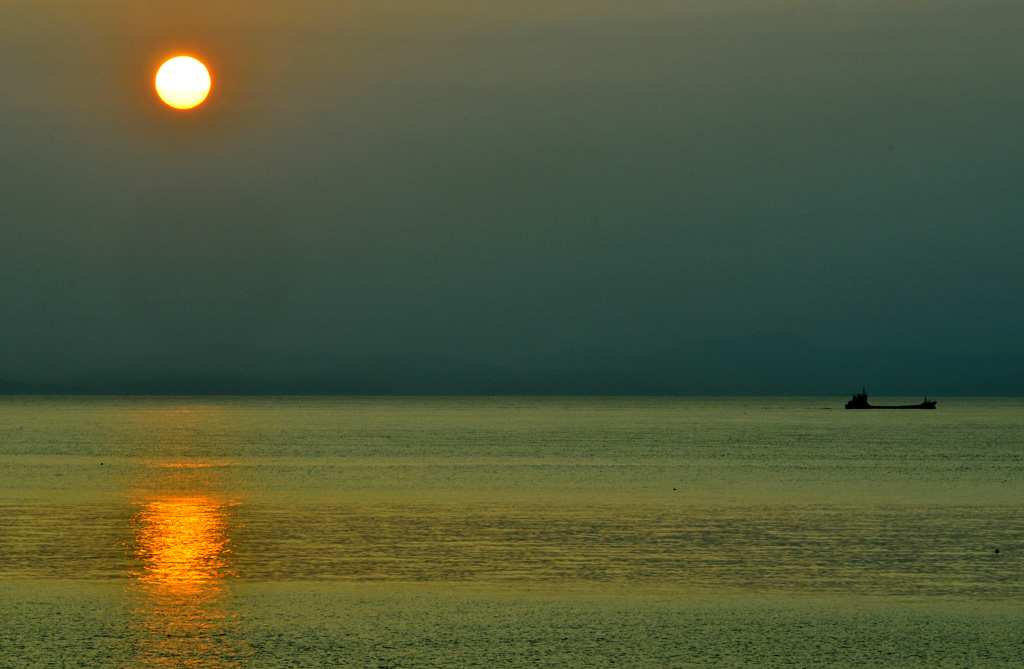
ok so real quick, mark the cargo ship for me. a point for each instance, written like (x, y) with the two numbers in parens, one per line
(860, 401)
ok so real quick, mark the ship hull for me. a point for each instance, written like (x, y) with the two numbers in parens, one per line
(860, 401)
(926, 405)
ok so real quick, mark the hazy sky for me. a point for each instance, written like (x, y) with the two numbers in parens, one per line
(505, 182)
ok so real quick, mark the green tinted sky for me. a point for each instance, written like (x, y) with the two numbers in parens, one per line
(504, 181)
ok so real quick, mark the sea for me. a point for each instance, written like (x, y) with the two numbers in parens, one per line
(510, 532)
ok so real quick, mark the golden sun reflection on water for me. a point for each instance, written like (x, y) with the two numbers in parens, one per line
(182, 543)
(181, 566)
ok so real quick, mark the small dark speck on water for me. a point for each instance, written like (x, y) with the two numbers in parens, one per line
(997, 551)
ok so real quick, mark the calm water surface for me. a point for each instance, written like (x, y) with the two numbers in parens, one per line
(518, 532)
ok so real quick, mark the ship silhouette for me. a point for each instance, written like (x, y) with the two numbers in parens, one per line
(860, 401)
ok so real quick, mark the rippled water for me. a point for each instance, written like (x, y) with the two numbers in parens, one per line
(521, 532)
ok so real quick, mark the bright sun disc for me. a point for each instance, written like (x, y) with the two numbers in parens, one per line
(183, 82)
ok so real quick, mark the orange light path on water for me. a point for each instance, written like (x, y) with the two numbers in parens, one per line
(181, 560)
(179, 549)
(182, 542)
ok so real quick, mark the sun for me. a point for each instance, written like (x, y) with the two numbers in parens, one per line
(183, 82)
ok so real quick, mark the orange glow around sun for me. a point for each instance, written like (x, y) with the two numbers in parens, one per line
(183, 82)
